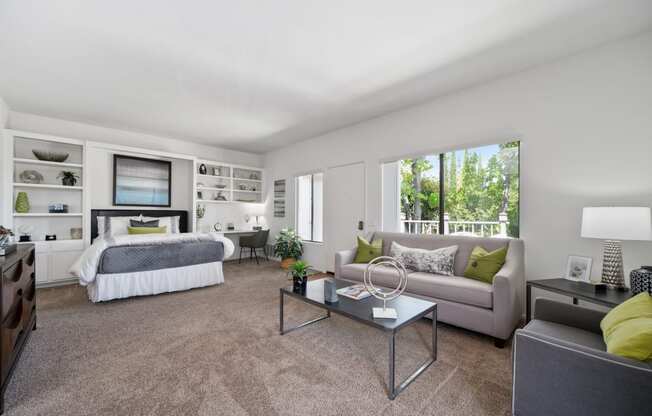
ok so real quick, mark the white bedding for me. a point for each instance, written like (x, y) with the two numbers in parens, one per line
(85, 268)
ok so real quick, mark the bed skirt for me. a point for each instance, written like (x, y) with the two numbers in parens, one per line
(152, 282)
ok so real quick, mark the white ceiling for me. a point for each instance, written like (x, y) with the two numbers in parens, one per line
(254, 75)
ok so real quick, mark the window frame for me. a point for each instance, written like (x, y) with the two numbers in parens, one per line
(312, 205)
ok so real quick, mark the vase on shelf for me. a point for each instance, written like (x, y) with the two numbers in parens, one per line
(22, 203)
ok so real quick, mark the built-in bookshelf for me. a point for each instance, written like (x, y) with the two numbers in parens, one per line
(33, 167)
(220, 183)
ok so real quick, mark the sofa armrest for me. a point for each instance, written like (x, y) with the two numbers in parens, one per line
(566, 314)
(507, 291)
(342, 258)
(553, 376)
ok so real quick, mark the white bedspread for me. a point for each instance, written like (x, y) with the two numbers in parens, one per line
(85, 268)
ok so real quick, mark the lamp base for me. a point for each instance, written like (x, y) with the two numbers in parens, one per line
(385, 313)
(612, 265)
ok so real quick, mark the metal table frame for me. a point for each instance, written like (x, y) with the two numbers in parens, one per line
(393, 390)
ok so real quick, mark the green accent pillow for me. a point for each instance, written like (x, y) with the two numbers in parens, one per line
(147, 230)
(627, 328)
(368, 251)
(484, 265)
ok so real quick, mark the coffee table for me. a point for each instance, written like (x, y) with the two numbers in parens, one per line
(409, 310)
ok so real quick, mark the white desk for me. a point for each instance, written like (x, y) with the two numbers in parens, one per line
(234, 235)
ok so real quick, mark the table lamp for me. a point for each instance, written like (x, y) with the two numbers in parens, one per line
(257, 210)
(613, 225)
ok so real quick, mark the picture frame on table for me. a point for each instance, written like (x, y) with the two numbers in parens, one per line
(578, 269)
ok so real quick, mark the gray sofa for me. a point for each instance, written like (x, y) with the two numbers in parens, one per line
(561, 367)
(492, 309)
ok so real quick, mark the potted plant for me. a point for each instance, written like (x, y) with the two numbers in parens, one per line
(299, 271)
(68, 178)
(288, 247)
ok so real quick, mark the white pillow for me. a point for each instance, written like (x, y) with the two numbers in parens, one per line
(439, 261)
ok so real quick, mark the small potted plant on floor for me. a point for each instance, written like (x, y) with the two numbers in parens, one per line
(288, 247)
(299, 271)
(68, 178)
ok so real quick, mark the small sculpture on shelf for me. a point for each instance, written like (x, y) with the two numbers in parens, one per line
(217, 227)
(30, 176)
(202, 169)
(254, 176)
(44, 155)
(68, 178)
(22, 203)
(220, 196)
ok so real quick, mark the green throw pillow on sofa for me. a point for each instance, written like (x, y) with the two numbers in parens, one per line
(484, 265)
(147, 230)
(368, 251)
(627, 328)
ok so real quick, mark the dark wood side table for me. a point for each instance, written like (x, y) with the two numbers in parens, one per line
(576, 290)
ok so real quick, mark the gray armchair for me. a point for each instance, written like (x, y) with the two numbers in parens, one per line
(561, 367)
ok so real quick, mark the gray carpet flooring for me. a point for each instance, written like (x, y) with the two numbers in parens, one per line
(217, 351)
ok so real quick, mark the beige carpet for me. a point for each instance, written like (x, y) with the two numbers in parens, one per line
(216, 351)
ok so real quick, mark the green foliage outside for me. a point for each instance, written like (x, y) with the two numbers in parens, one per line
(474, 191)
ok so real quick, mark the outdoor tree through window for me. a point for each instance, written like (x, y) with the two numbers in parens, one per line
(466, 192)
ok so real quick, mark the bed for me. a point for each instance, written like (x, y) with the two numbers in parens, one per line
(119, 265)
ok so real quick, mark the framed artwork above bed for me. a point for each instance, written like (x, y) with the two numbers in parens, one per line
(141, 182)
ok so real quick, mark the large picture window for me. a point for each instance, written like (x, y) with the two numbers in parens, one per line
(471, 192)
(309, 200)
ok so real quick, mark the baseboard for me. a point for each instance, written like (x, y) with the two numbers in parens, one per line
(65, 282)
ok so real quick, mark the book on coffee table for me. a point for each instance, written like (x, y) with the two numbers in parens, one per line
(355, 292)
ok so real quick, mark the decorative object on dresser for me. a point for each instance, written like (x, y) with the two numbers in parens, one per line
(6, 245)
(641, 280)
(22, 203)
(385, 294)
(613, 224)
(578, 268)
(68, 178)
(139, 181)
(18, 306)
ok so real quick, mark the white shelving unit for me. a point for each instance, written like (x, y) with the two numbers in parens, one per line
(55, 257)
(228, 183)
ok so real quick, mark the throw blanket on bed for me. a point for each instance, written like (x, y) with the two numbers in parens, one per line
(86, 267)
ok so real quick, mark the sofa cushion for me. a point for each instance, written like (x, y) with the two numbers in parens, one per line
(439, 261)
(383, 276)
(451, 288)
(430, 242)
(484, 265)
(368, 251)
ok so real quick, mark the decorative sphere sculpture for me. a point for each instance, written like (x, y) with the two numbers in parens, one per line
(382, 293)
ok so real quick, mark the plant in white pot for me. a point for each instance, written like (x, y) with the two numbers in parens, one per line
(288, 247)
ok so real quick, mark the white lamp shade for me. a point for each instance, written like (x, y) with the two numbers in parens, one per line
(617, 223)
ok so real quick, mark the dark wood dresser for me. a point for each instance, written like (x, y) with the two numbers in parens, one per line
(18, 305)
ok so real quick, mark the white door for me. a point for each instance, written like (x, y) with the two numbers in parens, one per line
(344, 209)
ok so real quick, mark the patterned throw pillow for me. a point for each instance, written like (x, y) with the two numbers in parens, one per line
(439, 261)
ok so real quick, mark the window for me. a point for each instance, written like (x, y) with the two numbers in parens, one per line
(309, 199)
(471, 192)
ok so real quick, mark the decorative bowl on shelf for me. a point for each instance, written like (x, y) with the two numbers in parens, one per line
(30, 176)
(220, 186)
(50, 156)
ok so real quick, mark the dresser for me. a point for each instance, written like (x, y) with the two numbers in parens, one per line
(18, 305)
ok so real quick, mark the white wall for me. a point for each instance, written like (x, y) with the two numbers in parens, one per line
(585, 125)
(57, 127)
(4, 114)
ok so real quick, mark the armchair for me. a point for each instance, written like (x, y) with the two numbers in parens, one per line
(561, 367)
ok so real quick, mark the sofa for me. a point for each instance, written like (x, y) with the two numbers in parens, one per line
(492, 309)
(562, 367)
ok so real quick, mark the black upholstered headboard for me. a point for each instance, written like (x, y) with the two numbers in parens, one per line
(183, 220)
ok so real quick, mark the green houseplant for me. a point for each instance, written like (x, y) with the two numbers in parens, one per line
(68, 178)
(299, 272)
(288, 247)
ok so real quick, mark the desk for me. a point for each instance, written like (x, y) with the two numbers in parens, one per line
(234, 235)
(576, 290)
